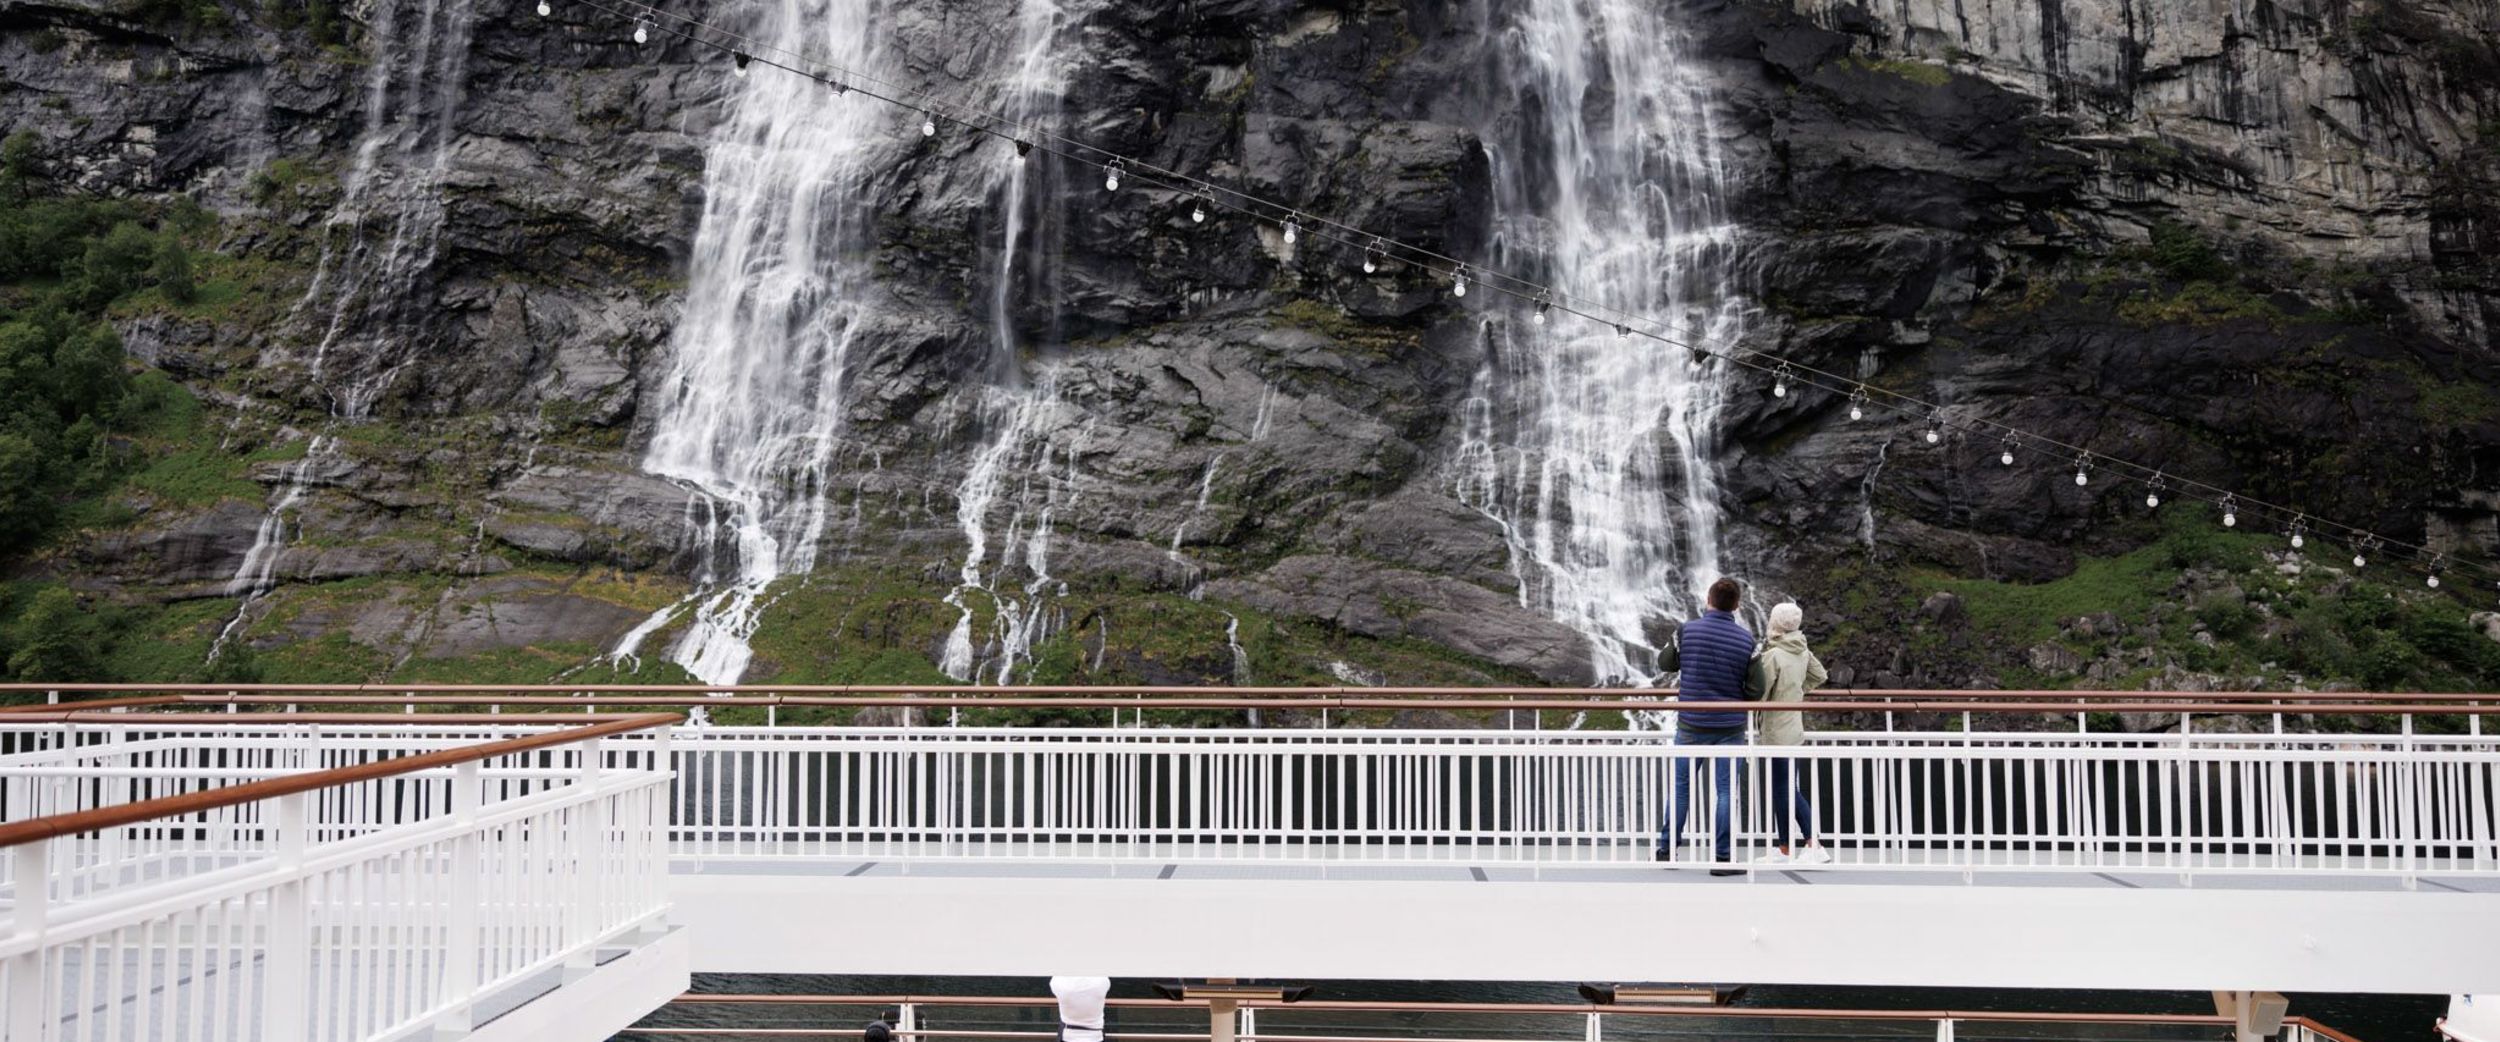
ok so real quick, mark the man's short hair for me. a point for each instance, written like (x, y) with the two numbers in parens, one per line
(1723, 594)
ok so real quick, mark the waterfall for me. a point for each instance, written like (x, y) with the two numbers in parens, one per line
(1018, 416)
(746, 414)
(375, 248)
(1022, 420)
(1593, 452)
(379, 243)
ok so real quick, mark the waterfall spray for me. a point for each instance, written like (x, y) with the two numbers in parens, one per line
(748, 409)
(1594, 457)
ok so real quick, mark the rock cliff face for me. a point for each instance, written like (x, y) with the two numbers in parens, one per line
(2253, 242)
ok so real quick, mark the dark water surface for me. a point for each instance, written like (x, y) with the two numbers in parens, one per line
(2371, 1018)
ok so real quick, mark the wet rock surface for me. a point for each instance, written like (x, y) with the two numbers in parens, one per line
(1932, 197)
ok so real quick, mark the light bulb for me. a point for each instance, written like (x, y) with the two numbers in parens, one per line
(1934, 435)
(1198, 213)
(1458, 283)
(1542, 306)
(544, 10)
(642, 32)
(738, 58)
(2152, 500)
(2359, 561)
(2433, 581)
(2007, 456)
(2297, 541)
(1293, 232)
(1369, 264)
(2083, 477)
(1111, 181)
(2229, 519)
(928, 128)
(1779, 388)
(1856, 412)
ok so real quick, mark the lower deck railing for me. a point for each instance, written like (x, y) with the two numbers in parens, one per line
(382, 906)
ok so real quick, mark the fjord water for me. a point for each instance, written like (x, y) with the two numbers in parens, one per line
(2372, 1018)
(747, 411)
(1594, 451)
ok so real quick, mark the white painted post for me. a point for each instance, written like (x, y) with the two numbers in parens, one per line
(288, 1015)
(1944, 1029)
(583, 897)
(460, 933)
(27, 1004)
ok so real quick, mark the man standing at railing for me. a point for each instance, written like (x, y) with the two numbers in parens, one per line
(1718, 652)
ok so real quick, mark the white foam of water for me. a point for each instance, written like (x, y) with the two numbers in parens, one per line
(1866, 495)
(258, 574)
(388, 226)
(1019, 416)
(1595, 453)
(750, 405)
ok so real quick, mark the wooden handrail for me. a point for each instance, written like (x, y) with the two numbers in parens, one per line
(265, 692)
(33, 829)
(1314, 699)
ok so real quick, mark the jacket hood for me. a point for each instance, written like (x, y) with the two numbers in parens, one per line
(1790, 641)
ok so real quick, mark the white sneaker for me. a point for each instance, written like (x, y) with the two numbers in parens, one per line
(1774, 857)
(1813, 855)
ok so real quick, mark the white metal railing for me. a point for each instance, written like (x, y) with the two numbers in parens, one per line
(378, 910)
(1478, 796)
(2035, 801)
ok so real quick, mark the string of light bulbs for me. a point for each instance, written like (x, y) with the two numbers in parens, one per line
(1377, 251)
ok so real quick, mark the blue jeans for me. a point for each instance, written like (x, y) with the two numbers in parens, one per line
(1723, 800)
(1782, 772)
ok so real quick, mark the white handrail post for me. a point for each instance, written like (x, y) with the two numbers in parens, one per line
(460, 928)
(584, 897)
(27, 1004)
(1944, 1029)
(288, 1015)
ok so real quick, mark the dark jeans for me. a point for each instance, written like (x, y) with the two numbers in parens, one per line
(1781, 772)
(1723, 785)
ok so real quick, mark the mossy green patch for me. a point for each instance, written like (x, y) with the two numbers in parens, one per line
(1925, 74)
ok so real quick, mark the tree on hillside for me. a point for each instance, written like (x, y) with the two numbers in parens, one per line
(56, 639)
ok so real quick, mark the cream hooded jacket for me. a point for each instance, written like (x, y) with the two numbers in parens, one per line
(1784, 672)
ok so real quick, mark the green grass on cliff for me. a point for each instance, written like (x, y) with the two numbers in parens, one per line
(2198, 598)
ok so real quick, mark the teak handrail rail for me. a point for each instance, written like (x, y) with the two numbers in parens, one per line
(587, 692)
(110, 710)
(56, 825)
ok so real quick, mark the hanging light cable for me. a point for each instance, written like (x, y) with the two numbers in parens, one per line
(1080, 151)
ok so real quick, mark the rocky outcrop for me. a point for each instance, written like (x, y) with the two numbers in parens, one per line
(1960, 200)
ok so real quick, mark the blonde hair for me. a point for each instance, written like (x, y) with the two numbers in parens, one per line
(1786, 617)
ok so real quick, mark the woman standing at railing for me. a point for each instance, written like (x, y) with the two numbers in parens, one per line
(1784, 672)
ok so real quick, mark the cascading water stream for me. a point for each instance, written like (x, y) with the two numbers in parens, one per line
(375, 249)
(1594, 452)
(1018, 416)
(748, 409)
